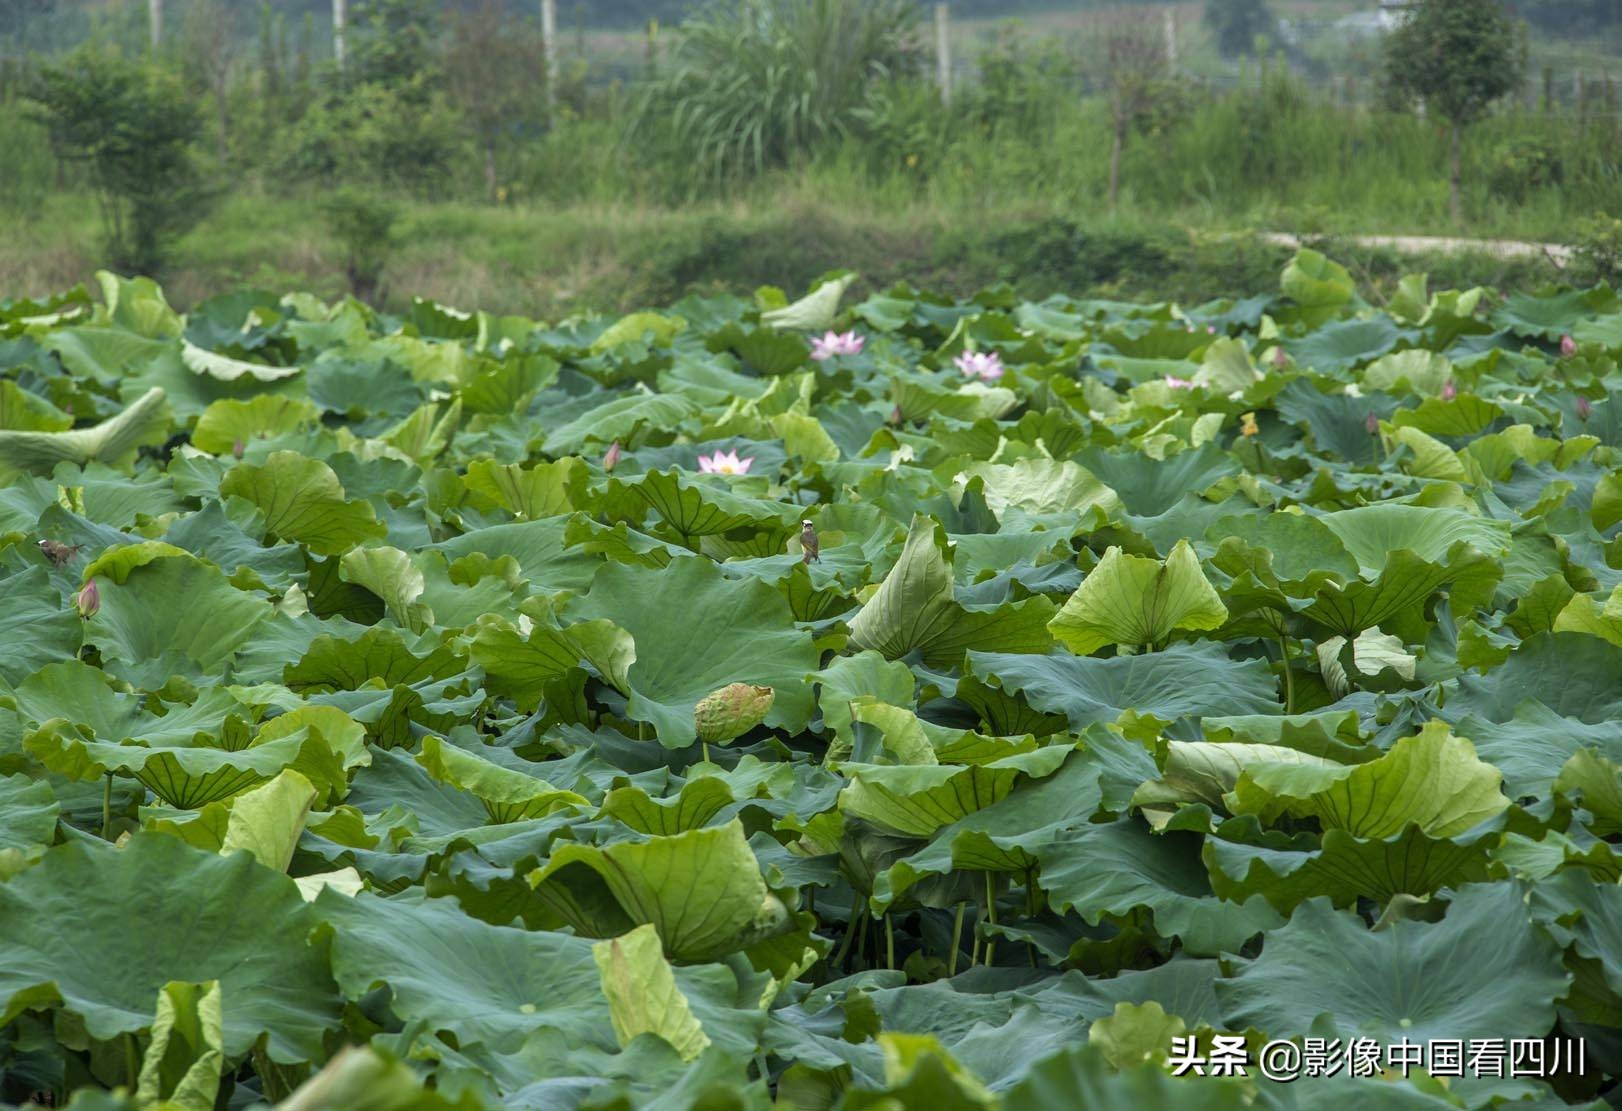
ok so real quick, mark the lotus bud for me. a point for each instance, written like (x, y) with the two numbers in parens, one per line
(1371, 425)
(88, 600)
(732, 711)
(611, 457)
(1585, 408)
(237, 448)
(1449, 390)
(1280, 359)
(895, 415)
(1568, 347)
(1210, 329)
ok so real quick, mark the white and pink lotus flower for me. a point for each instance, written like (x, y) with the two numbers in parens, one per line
(984, 365)
(724, 462)
(830, 344)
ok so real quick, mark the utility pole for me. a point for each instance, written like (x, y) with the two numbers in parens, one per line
(340, 20)
(154, 12)
(549, 50)
(943, 51)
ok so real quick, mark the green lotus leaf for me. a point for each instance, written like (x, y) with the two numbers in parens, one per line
(1082, 1076)
(695, 631)
(1129, 599)
(914, 610)
(1184, 680)
(508, 795)
(23, 411)
(694, 508)
(114, 441)
(702, 890)
(1485, 967)
(1042, 486)
(28, 814)
(232, 421)
(847, 678)
(227, 369)
(302, 500)
(266, 821)
(643, 997)
(188, 775)
(165, 912)
(1315, 282)
(1345, 868)
(815, 311)
(1149, 487)
(544, 490)
(467, 978)
(1118, 867)
(918, 799)
(143, 634)
(37, 627)
(1433, 780)
(390, 574)
(182, 1065)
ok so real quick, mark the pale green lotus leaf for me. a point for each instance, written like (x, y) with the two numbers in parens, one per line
(643, 997)
(185, 1059)
(1433, 780)
(1134, 600)
(114, 441)
(303, 501)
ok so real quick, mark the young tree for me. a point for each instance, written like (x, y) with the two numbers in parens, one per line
(493, 67)
(1132, 57)
(133, 127)
(1457, 56)
(1237, 24)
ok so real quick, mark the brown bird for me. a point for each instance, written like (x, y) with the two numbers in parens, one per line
(812, 551)
(59, 553)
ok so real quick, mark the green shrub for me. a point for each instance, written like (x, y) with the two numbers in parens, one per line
(134, 129)
(363, 225)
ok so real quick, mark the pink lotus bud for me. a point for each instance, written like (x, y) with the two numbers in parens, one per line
(1585, 408)
(895, 415)
(1280, 359)
(1568, 347)
(1210, 329)
(1449, 390)
(237, 448)
(88, 600)
(611, 457)
(1372, 425)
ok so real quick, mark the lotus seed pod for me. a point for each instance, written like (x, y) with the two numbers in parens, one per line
(731, 711)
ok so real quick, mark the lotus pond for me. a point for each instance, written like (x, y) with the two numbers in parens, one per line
(997, 709)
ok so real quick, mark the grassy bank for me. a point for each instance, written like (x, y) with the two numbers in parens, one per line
(554, 260)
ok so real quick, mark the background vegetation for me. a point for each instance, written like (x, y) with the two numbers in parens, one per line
(771, 140)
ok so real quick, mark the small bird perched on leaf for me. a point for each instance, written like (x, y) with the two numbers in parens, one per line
(59, 553)
(812, 551)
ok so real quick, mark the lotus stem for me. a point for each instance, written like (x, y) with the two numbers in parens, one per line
(889, 944)
(132, 1061)
(991, 920)
(850, 929)
(107, 808)
(957, 940)
(1289, 679)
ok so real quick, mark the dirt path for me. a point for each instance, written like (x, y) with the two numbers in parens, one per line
(1557, 253)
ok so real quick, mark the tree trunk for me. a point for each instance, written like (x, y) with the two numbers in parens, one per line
(490, 169)
(1454, 207)
(222, 107)
(1117, 142)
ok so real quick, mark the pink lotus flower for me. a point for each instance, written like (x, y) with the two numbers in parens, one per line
(1585, 408)
(830, 344)
(984, 365)
(1449, 390)
(88, 600)
(1210, 329)
(611, 457)
(1280, 359)
(1177, 383)
(724, 462)
(1568, 347)
(1371, 424)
